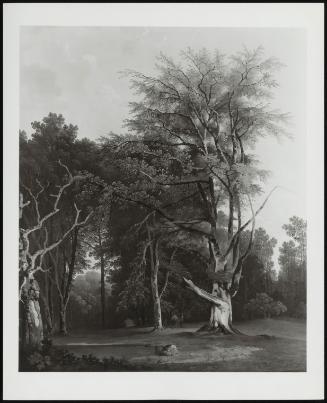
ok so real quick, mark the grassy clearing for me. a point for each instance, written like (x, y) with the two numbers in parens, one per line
(201, 352)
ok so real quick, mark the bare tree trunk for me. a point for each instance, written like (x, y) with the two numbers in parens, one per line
(103, 295)
(47, 317)
(46, 305)
(62, 319)
(50, 303)
(154, 286)
(66, 286)
(156, 302)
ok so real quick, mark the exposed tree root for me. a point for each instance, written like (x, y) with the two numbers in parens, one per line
(236, 331)
(221, 330)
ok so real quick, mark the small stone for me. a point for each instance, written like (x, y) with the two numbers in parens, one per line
(168, 350)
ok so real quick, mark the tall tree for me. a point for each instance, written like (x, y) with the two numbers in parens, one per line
(292, 260)
(96, 237)
(195, 125)
(52, 141)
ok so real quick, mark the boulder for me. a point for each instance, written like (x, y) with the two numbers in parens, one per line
(168, 350)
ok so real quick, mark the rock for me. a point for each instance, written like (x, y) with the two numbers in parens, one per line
(168, 350)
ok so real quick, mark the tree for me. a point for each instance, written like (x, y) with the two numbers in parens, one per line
(31, 260)
(292, 260)
(193, 129)
(263, 248)
(96, 238)
(52, 141)
(297, 230)
(258, 269)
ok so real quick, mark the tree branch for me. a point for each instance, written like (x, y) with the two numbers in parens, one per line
(204, 294)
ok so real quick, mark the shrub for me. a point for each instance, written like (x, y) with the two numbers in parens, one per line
(264, 306)
(53, 359)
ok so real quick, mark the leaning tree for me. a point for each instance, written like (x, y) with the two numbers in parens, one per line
(195, 126)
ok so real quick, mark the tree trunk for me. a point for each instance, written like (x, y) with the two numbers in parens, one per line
(32, 329)
(66, 286)
(62, 319)
(157, 314)
(221, 309)
(47, 317)
(103, 295)
(154, 260)
(46, 299)
(156, 301)
(221, 316)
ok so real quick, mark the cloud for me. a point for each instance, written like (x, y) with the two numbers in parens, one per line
(38, 83)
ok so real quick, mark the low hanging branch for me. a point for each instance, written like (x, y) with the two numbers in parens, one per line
(31, 262)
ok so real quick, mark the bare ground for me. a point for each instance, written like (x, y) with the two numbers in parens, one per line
(286, 351)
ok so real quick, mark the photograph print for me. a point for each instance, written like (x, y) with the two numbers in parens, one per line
(162, 199)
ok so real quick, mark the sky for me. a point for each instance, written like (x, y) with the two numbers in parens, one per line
(75, 71)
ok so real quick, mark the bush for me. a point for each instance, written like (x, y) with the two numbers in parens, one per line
(53, 359)
(264, 306)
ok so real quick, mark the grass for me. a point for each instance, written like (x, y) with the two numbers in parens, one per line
(286, 351)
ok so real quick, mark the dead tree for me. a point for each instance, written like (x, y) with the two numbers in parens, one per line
(31, 261)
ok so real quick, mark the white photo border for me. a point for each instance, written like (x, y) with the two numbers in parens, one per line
(165, 385)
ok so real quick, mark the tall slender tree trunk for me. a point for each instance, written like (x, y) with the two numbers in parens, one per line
(103, 294)
(62, 318)
(46, 299)
(156, 301)
(154, 263)
(50, 303)
(102, 281)
(67, 285)
(47, 317)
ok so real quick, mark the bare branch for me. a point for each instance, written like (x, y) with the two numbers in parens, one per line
(57, 197)
(204, 294)
(232, 241)
(22, 204)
